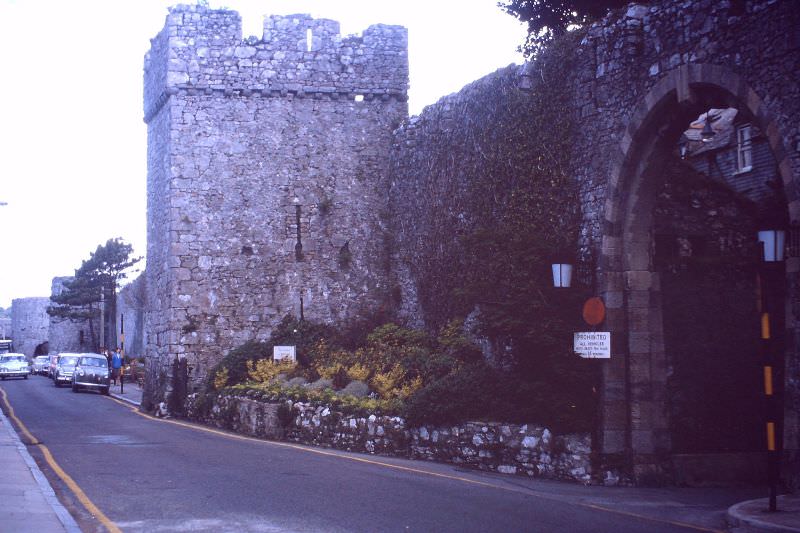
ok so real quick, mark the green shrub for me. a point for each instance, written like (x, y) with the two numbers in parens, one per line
(471, 392)
(235, 363)
(479, 392)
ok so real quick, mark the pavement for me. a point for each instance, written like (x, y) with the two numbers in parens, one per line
(753, 515)
(29, 504)
(128, 392)
(27, 501)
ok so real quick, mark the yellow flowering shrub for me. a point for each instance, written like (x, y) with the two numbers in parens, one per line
(265, 370)
(221, 378)
(384, 383)
(359, 372)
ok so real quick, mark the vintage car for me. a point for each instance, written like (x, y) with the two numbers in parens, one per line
(65, 366)
(91, 372)
(41, 365)
(14, 365)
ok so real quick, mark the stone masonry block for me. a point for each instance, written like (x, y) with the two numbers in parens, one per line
(613, 441)
(638, 280)
(639, 342)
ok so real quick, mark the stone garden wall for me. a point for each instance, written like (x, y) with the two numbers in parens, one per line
(506, 448)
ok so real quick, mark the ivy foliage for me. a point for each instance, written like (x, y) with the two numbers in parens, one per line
(548, 19)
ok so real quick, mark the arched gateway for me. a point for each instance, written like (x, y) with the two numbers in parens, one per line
(651, 77)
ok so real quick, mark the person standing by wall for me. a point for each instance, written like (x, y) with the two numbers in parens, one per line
(116, 365)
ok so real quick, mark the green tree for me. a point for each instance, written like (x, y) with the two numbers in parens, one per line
(547, 19)
(96, 280)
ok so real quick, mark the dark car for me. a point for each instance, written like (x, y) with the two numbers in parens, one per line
(91, 372)
(64, 368)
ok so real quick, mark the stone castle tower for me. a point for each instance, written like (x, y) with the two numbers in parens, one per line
(267, 179)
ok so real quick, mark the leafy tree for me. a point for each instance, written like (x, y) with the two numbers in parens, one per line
(547, 19)
(97, 279)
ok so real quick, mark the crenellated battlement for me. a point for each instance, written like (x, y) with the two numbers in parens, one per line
(201, 51)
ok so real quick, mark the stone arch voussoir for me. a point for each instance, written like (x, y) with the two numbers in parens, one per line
(670, 86)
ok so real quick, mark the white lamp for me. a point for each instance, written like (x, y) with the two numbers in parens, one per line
(562, 275)
(774, 244)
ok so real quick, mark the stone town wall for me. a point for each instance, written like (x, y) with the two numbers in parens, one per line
(623, 56)
(5, 328)
(29, 324)
(240, 129)
(65, 334)
(619, 60)
(439, 193)
(742, 54)
(506, 448)
(131, 305)
(267, 179)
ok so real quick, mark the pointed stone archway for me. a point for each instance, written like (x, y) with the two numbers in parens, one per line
(634, 432)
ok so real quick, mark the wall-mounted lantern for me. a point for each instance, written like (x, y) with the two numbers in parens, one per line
(562, 275)
(773, 245)
(524, 82)
(298, 247)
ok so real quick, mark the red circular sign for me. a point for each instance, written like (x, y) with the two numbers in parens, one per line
(594, 311)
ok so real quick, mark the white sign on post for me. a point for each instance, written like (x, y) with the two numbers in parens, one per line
(280, 353)
(593, 344)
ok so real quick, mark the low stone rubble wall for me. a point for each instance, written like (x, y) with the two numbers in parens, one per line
(505, 448)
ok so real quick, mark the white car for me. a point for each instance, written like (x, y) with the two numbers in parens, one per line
(14, 365)
(41, 364)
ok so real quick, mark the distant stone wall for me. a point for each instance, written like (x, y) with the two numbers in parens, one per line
(506, 448)
(5, 328)
(66, 334)
(267, 180)
(30, 324)
(131, 306)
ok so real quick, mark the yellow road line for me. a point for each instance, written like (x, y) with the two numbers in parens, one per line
(307, 449)
(76, 490)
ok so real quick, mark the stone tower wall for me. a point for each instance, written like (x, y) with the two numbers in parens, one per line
(244, 138)
(29, 323)
(64, 334)
(131, 305)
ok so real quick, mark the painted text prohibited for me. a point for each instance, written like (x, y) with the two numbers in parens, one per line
(593, 344)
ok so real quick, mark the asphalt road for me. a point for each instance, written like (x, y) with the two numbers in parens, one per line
(151, 475)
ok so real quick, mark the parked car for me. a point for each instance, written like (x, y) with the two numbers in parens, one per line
(14, 365)
(41, 365)
(65, 368)
(91, 372)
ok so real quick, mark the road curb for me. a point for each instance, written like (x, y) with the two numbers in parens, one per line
(739, 517)
(127, 400)
(69, 523)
